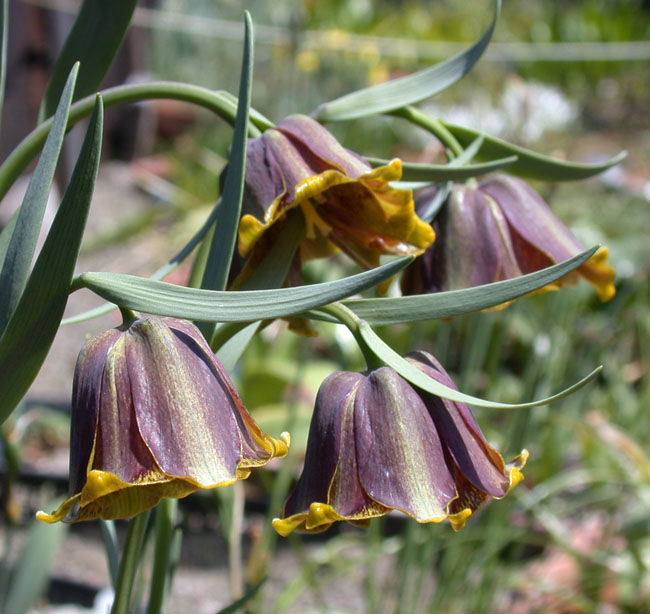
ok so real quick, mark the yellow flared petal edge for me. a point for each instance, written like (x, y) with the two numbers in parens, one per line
(320, 517)
(108, 497)
(600, 274)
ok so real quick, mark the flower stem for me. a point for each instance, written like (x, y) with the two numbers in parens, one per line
(129, 563)
(346, 316)
(432, 125)
(164, 529)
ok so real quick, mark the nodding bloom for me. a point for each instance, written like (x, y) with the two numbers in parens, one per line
(347, 205)
(500, 229)
(378, 444)
(154, 415)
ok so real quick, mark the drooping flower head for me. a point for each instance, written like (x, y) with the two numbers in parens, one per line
(346, 204)
(154, 414)
(500, 229)
(378, 444)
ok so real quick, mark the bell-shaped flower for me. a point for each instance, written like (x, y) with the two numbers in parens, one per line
(500, 229)
(378, 444)
(347, 205)
(154, 414)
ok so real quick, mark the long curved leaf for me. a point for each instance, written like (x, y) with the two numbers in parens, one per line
(22, 244)
(445, 172)
(457, 302)
(161, 298)
(31, 330)
(391, 358)
(529, 163)
(94, 40)
(409, 89)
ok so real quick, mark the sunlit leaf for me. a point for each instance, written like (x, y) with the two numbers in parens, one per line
(457, 302)
(20, 250)
(94, 40)
(529, 163)
(31, 330)
(409, 89)
(391, 358)
(445, 172)
(161, 298)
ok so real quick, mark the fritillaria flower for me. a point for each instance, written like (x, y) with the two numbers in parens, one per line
(346, 204)
(154, 415)
(378, 444)
(500, 229)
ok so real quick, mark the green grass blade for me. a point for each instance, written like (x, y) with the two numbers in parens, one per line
(5, 236)
(222, 247)
(445, 172)
(32, 570)
(20, 251)
(392, 359)
(409, 89)
(529, 163)
(30, 332)
(161, 298)
(457, 302)
(94, 40)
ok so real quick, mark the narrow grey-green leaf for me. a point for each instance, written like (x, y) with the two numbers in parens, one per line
(161, 298)
(222, 247)
(445, 172)
(22, 244)
(31, 330)
(31, 574)
(391, 358)
(529, 163)
(94, 39)
(409, 89)
(4, 27)
(5, 236)
(457, 302)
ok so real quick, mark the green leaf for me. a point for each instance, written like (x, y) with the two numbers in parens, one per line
(31, 574)
(457, 302)
(392, 359)
(5, 236)
(222, 247)
(529, 163)
(20, 251)
(4, 26)
(409, 89)
(445, 172)
(31, 330)
(94, 40)
(161, 298)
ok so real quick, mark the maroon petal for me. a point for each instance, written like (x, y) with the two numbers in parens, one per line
(532, 219)
(399, 453)
(184, 413)
(119, 448)
(325, 448)
(481, 465)
(85, 404)
(323, 144)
